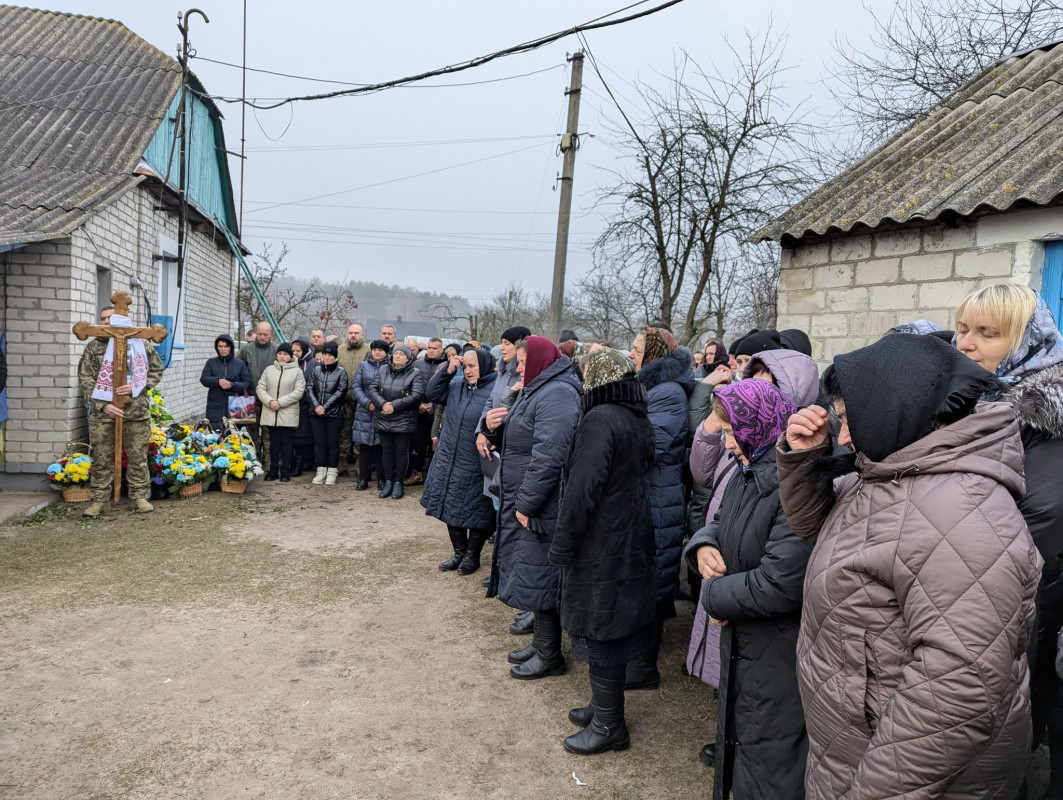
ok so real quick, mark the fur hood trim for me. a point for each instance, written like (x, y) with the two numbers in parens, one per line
(1038, 401)
(675, 367)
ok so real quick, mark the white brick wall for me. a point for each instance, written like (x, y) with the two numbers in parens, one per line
(848, 292)
(48, 287)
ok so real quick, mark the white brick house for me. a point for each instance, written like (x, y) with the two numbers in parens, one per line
(84, 212)
(970, 195)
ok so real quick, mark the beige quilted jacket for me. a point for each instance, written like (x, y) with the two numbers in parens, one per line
(918, 608)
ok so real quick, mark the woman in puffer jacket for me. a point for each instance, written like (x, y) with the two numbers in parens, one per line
(280, 389)
(397, 391)
(225, 375)
(665, 369)
(919, 596)
(453, 491)
(363, 432)
(326, 391)
(1009, 331)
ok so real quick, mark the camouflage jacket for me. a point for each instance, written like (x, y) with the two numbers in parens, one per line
(89, 370)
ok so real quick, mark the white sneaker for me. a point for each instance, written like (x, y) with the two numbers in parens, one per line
(320, 477)
(330, 476)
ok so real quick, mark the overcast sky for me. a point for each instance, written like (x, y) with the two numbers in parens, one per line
(463, 229)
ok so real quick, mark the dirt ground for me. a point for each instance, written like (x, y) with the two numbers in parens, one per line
(294, 642)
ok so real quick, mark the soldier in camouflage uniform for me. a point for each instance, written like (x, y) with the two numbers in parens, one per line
(136, 429)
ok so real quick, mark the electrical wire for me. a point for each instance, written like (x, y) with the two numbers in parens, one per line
(386, 145)
(404, 209)
(429, 246)
(616, 102)
(79, 89)
(350, 83)
(395, 180)
(534, 44)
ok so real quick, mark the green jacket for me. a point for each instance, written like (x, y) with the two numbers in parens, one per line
(349, 358)
(89, 369)
(258, 357)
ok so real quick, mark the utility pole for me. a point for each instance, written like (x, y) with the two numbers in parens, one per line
(243, 131)
(569, 146)
(182, 123)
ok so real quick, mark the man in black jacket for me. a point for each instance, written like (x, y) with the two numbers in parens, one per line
(421, 447)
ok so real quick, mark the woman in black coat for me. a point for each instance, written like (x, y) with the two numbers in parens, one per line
(453, 491)
(605, 545)
(396, 392)
(303, 438)
(757, 568)
(326, 392)
(534, 438)
(224, 375)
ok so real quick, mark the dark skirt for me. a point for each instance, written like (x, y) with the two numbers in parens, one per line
(607, 652)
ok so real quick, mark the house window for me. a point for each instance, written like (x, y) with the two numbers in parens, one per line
(103, 289)
(169, 296)
(1052, 278)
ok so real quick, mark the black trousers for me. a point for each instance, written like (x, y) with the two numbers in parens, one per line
(280, 449)
(421, 446)
(370, 458)
(326, 440)
(396, 449)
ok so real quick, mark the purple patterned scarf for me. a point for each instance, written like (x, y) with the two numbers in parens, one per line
(758, 412)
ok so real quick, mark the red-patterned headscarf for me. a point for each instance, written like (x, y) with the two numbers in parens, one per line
(659, 342)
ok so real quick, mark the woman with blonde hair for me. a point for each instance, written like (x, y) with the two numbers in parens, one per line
(1008, 330)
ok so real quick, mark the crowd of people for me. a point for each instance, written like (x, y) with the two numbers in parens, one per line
(875, 553)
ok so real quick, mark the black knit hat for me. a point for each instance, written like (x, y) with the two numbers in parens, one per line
(515, 333)
(795, 339)
(733, 347)
(757, 343)
(379, 344)
(567, 335)
(330, 348)
(284, 347)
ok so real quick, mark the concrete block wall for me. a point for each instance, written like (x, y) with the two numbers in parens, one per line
(847, 292)
(49, 286)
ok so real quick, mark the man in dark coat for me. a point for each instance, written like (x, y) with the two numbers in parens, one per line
(665, 370)
(421, 446)
(258, 354)
(534, 437)
(225, 375)
(604, 543)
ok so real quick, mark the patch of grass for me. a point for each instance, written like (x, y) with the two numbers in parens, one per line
(179, 554)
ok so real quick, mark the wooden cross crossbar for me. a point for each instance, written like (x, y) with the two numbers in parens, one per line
(156, 333)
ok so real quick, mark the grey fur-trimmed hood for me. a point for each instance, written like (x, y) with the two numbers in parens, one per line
(1038, 401)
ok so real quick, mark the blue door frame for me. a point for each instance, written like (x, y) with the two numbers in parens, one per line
(1052, 278)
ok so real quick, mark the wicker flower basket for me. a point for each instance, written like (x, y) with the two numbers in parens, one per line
(191, 490)
(233, 487)
(76, 494)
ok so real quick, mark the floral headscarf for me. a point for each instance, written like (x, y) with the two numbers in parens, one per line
(758, 412)
(1040, 347)
(606, 366)
(659, 342)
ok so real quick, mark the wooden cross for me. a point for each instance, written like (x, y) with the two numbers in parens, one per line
(156, 333)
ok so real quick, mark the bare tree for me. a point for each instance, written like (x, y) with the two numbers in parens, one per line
(719, 157)
(927, 49)
(608, 307)
(291, 306)
(336, 307)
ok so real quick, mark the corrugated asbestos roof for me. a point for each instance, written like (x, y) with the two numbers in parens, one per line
(996, 142)
(80, 99)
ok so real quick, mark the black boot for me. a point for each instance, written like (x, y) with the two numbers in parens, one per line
(471, 562)
(363, 484)
(708, 755)
(1055, 761)
(522, 655)
(286, 474)
(397, 490)
(459, 539)
(272, 475)
(523, 623)
(582, 716)
(297, 464)
(642, 671)
(385, 490)
(607, 730)
(547, 643)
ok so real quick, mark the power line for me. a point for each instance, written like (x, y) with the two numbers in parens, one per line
(525, 47)
(360, 85)
(412, 210)
(395, 180)
(386, 145)
(429, 246)
(311, 226)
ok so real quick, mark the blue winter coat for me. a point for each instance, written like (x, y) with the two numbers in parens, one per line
(669, 382)
(453, 491)
(536, 435)
(362, 430)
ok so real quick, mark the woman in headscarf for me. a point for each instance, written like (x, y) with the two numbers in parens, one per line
(533, 436)
(604, 543)
(1009, 331)
(453, 491)
(396, 391)
(303, 437)
(664, 369)
(754, 566)
(363, 432)
(919, 595)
